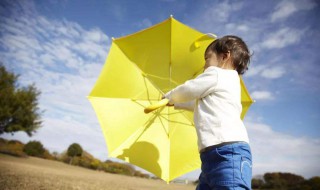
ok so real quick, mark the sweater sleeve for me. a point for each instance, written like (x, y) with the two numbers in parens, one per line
(185, 105)
(194, 89)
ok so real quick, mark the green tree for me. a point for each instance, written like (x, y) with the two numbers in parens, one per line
(75, 150)
(278, 180)
(18, 105)
(256, 183)
(34, 148)
(311, 184)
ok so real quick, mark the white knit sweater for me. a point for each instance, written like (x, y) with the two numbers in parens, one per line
(215, 98)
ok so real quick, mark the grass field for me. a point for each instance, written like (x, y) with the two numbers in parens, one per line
(35, 173)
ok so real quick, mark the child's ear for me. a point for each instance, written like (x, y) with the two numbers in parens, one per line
(226, 56)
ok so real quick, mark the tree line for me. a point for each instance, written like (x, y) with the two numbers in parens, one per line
(285, 181)
(74, 155)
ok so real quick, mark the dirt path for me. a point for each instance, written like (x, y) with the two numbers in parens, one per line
(35, 173)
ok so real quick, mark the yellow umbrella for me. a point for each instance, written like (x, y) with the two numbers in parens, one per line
(139, 69)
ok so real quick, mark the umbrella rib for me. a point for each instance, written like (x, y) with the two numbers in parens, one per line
(178, 122)
(162, 78)
(139, 130)
(144, 75)
(162, 124)
(145, 83)
(183, 113)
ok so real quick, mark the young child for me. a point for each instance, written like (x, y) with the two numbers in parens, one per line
(215, 98)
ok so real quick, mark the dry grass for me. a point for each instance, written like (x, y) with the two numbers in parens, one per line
(35, 173)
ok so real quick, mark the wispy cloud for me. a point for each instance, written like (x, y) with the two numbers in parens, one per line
(237, 27)
(145, 23)
(119, 10)
(286, 8)
(262, 95)
(273, 73)
(282, 38)
(63, 60)
(220, 12)
(291, 154)
(266, 71)
(224, 9)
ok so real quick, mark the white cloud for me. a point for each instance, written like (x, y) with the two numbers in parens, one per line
(262, 95)
(273, 72)
(275, 151)
(286, 8)
(118, 11)
(283, 10)
(237, 27)
(221, 11)
(95, 35)
(145, 23)
(255, 70)
(266, 71)
(63, 60)
(282, 38)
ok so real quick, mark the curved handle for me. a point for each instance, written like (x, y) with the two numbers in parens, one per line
(208, 36)
(157, 105)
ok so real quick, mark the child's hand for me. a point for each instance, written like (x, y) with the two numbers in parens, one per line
(163, 97)
(169, 105)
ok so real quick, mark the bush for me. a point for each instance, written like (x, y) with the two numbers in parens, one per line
(74, 150)
(47, 155)
(95, 164)
(118, 168)
(140, 174)
(311, 184)
(84, 162)
(287, 181)
(64, 158)
(3, 141)
(279, 180)
(55, 155)
(74, 161)
(34, 148)
(257, 183)
(13, 148)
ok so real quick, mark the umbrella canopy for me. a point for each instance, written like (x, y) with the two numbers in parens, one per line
(139, 69)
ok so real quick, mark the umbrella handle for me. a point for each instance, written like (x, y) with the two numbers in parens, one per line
(208, 36)
(157, 105)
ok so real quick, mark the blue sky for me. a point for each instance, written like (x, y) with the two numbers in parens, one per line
(61, 47)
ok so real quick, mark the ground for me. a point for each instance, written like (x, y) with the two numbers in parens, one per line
(40, 174)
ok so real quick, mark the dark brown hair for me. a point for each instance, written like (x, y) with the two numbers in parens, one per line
(238, 49)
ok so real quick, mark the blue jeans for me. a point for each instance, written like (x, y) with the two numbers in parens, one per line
(226, 167)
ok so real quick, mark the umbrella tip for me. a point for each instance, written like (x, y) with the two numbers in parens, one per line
(112, 38)
(144, 74)
(171, 16)
(211, 35)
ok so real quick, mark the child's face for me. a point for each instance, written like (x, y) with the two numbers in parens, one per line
(211, 59)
